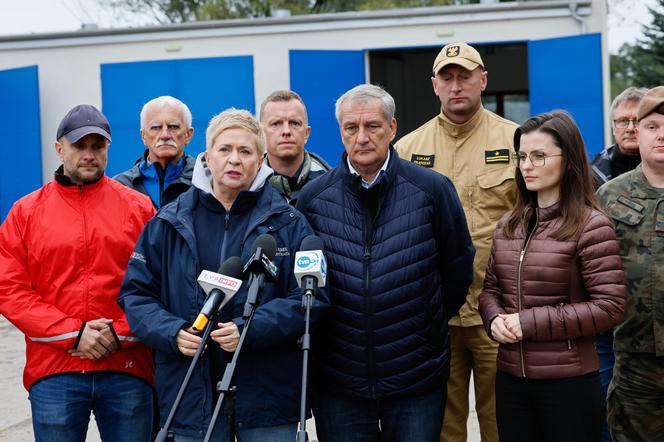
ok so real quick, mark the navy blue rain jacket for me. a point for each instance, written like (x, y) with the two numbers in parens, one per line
(394, 281)
(160, 296)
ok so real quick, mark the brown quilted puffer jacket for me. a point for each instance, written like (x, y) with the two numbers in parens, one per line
(566, 292)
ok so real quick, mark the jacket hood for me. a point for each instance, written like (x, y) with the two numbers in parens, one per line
(202, 176)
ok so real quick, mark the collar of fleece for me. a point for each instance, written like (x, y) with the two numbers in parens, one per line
(202, 176)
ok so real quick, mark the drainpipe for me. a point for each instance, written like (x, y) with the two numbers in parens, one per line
(573, 9)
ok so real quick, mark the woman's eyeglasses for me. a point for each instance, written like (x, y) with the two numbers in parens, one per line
(537, 159)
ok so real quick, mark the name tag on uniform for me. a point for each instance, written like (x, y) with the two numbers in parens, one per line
(497, 156)
(631, 204)
(423, 160)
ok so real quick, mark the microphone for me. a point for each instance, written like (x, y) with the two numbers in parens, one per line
(310, 266)
(263, 251)
(258, 267)
(219, 288)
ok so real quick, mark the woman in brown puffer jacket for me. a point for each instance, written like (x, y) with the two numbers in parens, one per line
(554, 281)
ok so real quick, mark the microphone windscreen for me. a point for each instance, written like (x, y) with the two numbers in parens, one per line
(267, 243)
(232, 267)
(311, 242)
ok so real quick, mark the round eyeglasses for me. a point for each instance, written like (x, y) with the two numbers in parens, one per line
(537, 159)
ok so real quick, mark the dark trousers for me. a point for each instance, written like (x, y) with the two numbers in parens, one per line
(549, 410)
(604, 346)
(61, 407)
(410, 419)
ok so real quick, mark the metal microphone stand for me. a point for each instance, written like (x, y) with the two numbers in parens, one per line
(162, 436)
(224, 386)
(307, 301)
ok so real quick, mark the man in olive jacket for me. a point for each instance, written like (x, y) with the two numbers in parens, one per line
(471, 146)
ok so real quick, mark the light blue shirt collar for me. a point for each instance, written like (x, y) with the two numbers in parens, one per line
(376, 179)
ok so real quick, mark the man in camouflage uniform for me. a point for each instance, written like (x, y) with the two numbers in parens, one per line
(635, 202)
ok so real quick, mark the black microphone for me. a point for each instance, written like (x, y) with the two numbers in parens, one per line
(263, 251)
(219, 287)
(310, 268)
(258, 267)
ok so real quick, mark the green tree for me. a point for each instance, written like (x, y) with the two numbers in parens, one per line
(647, 67)
(641, 64)
(181, 11)
(621, 72)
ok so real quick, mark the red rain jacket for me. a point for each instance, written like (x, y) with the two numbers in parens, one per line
(63, 254)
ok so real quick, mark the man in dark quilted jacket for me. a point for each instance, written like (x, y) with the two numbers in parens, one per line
(400, 262)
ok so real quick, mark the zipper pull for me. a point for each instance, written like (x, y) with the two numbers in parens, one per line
(523, 252)
(227, 221)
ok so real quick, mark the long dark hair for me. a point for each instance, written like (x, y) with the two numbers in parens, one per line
(577, 191)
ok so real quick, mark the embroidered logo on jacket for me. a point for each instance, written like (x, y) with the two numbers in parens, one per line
(138, 256)
(497, 156)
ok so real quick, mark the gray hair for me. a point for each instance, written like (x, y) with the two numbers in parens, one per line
(364, 93)
(235, 119)
(167, 101)
(630, 94)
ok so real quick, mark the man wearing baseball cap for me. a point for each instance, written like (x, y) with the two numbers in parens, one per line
(63, 252)
(472, 146)
(635, 202)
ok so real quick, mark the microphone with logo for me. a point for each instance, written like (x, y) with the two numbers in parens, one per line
(310, 267)
(220, 288)
(311, 273)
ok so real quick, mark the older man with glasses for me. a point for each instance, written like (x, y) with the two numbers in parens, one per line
(622, 156)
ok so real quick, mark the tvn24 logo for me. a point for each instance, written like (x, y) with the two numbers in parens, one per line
(308, 261)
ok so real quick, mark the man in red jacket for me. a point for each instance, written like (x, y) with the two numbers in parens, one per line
(63, 253)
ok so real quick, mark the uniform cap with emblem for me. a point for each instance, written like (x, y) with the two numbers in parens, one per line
(83, 120)
(652, 101)
(460, 54)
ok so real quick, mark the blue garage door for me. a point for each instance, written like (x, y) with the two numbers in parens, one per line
(566, 73)
(21, 168)
(320, 77)
(206, 85)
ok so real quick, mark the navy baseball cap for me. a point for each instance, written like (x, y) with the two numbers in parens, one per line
(83, 120)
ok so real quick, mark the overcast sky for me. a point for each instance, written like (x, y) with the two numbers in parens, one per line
(39, 16)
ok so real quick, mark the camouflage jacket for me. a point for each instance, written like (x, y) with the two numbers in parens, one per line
(637, 209)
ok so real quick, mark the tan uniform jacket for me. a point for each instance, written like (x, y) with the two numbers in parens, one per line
(476, 157)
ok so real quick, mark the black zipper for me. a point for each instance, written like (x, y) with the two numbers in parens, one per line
(366, 257)
(161, 173)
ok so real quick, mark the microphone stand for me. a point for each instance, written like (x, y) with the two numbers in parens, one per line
(224, 386)
(162, 436)
(307, 301)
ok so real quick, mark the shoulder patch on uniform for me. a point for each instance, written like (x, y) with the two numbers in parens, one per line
(497, 156)
(423, 160)
(631, 204)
